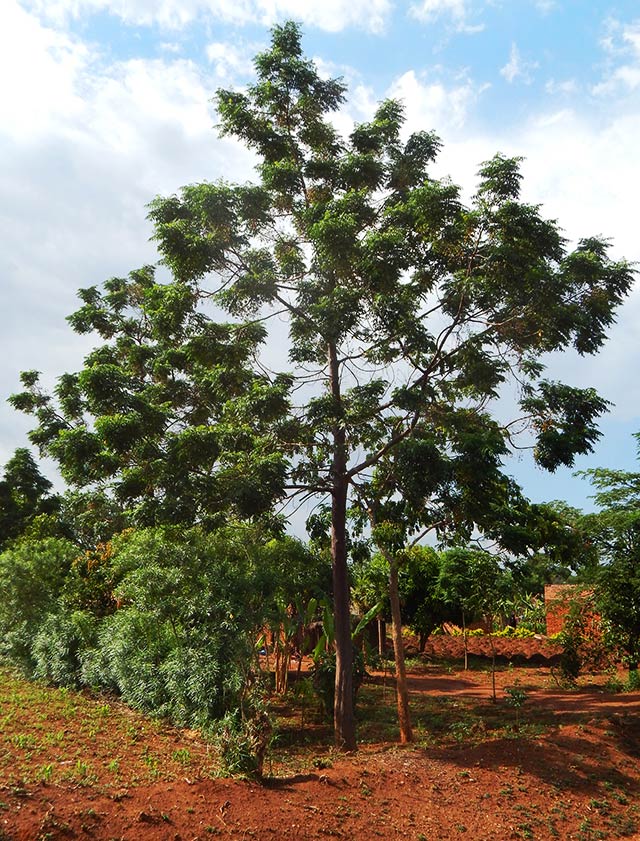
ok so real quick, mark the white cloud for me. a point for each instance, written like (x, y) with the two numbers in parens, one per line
(434, 105)
(568, 87)
(86, 144)
(517, 67)
(582, 173)
(330, 15)
(622, 42)
(546, 6)
(84, 148)
(457, 11)
(39, 68)
(230, 60)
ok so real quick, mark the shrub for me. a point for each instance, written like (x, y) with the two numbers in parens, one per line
(242, 740)
(583, 644)
(59, 645)
(523, 633)
(324, 677)
(32, 576)
(181, 642)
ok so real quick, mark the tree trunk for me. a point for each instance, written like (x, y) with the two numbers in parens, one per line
(344, 722)
(343, 712)
(492, 643)
(464, 642)
(402, 693)
(382, 632)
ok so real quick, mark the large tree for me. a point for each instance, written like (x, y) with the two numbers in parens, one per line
(407, 311)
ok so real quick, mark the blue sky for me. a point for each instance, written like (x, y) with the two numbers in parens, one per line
(105, 103)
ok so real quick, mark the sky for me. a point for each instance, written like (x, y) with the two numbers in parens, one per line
(106, 103)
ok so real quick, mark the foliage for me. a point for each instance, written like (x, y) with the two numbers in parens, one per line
(87, 518)
(519, 633)
(323, 673)
(164, 617)
(615, 531)
(423, 608)
(516, 699)
(584, 644)
(530, 614)
(32, 576)
(166, 412)
(474, 581)
(198, 602)
(323, 676)
(618, 597)
(242, 741)
(24, 496)
(60, 644)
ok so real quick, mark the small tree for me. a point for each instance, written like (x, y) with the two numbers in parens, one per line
(474, 581)
(615, 532)
(166, 413)
(25, 494)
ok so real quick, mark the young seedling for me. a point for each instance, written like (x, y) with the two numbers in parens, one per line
(516, 697)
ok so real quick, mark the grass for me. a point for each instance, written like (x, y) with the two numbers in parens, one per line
(57, 736)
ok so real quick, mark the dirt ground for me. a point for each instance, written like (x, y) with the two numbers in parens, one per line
(564, 765)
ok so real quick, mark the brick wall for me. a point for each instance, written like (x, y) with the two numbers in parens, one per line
(557, 599)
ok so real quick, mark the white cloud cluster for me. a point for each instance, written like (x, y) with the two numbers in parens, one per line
(231, 60)
(433, 104)
(622, 42)
(39, 68)
(84, 147)
(330, 15)
(517, 67)
(86, 142)
(458, 11)
(566, 87)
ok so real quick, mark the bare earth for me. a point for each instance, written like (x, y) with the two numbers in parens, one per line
(566, 766)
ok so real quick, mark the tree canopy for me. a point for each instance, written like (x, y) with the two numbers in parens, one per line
(167, 412)
(615, 532)
(24, 495)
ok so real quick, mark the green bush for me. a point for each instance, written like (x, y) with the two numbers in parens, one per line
(584, 647)
(59, 645)
(32, 576)
(242, 741)
(523, 633)
(180, 643)
(324, 678)
(165, 617)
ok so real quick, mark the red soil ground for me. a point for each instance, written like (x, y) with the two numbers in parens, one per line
(568, 770)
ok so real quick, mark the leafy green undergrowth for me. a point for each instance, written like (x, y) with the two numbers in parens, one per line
(442, 720)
